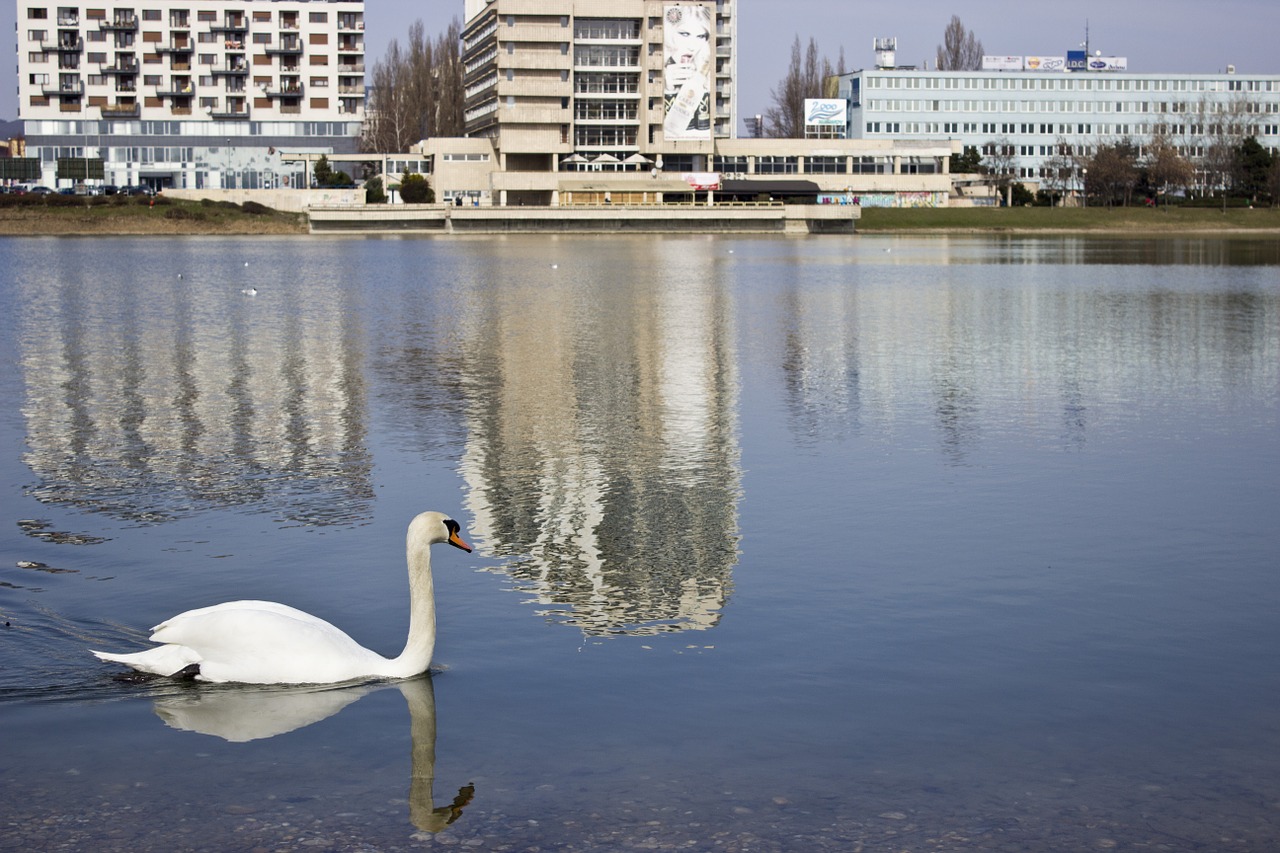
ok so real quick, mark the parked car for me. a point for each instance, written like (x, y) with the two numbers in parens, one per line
(40, 191)
(110, 189)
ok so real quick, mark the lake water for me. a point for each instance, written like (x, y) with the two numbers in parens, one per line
(868, 543)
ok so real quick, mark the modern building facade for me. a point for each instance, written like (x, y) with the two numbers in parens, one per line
(581, 84)
(188, 93)
(1035, 106)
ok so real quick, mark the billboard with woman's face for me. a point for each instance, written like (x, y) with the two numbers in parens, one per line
(687, 62)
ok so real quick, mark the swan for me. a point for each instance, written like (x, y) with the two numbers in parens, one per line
(261, 642)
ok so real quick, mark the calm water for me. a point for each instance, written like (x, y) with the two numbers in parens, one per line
(825, 544)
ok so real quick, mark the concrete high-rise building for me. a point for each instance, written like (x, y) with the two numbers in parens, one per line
(188, 93)
(571, 84)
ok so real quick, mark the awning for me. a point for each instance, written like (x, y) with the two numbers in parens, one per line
(772, 188)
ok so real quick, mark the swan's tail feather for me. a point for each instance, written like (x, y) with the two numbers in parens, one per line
(168, 659)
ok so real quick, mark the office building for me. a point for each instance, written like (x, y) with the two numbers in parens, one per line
(188, 93)
(579, 84)
(1035, 105)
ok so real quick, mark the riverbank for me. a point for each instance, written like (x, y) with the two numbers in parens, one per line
(136, 216)
(66, 216)
(1046, 220)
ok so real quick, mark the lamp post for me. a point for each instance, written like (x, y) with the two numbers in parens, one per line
(228, 164)
(1084, 187)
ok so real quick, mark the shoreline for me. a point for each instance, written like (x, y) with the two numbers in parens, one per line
(190, 218)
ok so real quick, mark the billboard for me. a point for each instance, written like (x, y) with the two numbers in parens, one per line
(1045, 63)
(1108, 63)
(687, 51)
(826, 112)
(1001, 63)
(1076, 60)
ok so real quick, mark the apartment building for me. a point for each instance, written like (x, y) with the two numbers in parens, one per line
(188, 93)
(586, 84)
(1034, 105)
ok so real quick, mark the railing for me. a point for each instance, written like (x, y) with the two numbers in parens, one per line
(76, 88)
(294, 48)
(120, 110)
(125, 24)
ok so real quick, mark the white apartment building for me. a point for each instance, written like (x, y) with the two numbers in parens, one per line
(188, 93)
(1035, 111)
(586, 84)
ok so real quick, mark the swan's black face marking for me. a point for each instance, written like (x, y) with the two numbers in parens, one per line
(455, 535)
(188, 672)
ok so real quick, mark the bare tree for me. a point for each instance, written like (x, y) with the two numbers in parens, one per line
(960, 49)
(1167, 169)
(808, 76)
(1113, 172)
(416, 91)
(1058, 172)
(1225, 126)
(1001, 161)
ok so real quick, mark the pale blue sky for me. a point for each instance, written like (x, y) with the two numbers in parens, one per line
(1165, 35)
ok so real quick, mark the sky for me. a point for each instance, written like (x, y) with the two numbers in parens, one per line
(1180, 36)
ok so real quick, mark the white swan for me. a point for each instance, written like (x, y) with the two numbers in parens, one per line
(261, 642)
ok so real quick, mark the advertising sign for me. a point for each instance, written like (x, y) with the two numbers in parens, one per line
(687, 48)
(1076, 60)
(1108, 63)
(1045, 63)
(702, 181)
(1001, 63)
(826, 112)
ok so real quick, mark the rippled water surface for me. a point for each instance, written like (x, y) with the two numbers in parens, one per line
(825, 544)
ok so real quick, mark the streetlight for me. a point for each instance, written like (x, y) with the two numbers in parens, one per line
(1084, 187)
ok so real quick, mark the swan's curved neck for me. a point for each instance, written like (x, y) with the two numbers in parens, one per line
(416, 656)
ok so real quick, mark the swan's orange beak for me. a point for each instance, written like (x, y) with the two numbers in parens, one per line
(456, 541)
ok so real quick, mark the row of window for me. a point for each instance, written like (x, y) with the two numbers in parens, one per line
(70, 16)
(188, 128)
(1032, 106)
(1070, 83)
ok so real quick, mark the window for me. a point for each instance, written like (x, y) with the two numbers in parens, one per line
(38, 14)
(318, 17)
(150, 14)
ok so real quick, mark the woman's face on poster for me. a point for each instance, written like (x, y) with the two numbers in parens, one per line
(688, 38)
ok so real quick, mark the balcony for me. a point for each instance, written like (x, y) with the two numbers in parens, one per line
(120, 68)
(240, 113)
(283, 90)
(231, 25)
(124, 24)
(288, 47)
(176, 89)
(64, 44)
(175, 48)
(239, 70)
(69, 89)
(121, 110)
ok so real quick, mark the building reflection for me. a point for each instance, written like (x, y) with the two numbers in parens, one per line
(880, 351)
(601, 453)
(150, 401)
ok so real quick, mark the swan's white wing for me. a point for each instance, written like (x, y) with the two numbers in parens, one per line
(262, 642)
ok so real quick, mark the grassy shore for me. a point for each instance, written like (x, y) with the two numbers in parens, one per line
(1127, 220)
(56, 216)
(61, 215)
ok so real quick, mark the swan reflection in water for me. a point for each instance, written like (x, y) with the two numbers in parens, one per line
(240, 714)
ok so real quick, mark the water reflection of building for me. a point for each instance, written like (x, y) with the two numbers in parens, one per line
(149, 401)
(881, 348)
(602, 456)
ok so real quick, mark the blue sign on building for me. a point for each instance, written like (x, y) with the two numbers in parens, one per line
(1077, 60)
